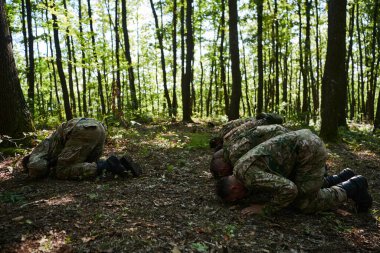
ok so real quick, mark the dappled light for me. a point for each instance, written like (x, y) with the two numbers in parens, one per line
(172, 206)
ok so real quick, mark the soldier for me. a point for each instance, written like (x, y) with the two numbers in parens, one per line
(236, 127)
(290, 168)
(223, 160)
(72, 152)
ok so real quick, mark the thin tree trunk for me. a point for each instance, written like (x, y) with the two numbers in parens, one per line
(360, 61)
(163, 65)
(174, 42)
(235, 60)
(99, 77)
(117, 55)
(372, 81)
(131, 76)
(83, 61)
(186, 97)
(70, 66)
(61, 74)
(260, 55)
(221, 59)
(30, 72)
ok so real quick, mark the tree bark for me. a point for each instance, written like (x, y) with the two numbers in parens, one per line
(163, 65)
(335, 75)
(99, 76)
(260, 62)
(15, 118)
(186, 97)
(174, 42)
(61, 74)
(235, 60)
(30, 71)
(131, 76)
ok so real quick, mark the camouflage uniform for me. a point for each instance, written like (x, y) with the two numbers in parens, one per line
(71, 151)
(250, 138)
(232, 124)
(289, 168)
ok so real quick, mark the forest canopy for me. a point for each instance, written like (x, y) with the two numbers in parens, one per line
(185, 59)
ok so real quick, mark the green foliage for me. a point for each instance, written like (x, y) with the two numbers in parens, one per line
(197, 140)
(11, 197)
(360, 136)
(200, 247)
(11, 151)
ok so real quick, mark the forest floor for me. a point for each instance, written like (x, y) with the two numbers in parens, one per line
(172, 206)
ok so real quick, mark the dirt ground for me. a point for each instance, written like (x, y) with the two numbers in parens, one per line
(172, 206)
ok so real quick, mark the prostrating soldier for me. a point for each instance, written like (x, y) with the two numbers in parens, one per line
(73, 152)
(289, 170)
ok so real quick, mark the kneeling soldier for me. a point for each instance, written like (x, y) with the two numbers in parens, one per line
(290, 168)
(73, 152)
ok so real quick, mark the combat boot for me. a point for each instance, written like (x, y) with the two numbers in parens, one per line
(112, 164)
(129, 164)
(357, 189)
(344, 175)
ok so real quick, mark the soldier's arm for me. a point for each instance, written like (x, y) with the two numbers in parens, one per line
(282, 190)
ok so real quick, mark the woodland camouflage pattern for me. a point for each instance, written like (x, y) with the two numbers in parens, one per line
(235, 132)
(232, 124)
(248, 139)
(70, 152)
(289, 168)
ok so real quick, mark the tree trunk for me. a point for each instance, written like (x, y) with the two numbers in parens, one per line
(61, 74)
(99, 77)
(84, 80)
(235, 60)
(131, 76)
(260, 56)
(372, 81)
(163, 65)
(70, 66)
(174, 42)
(334, 76)
(349, 56)
(361, 74)
(246, 79)
(277, 48)
(221, 59)
(30, 71)
(15, 118)
(186, 99)
(117, 91)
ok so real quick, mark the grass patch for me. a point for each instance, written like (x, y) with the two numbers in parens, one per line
(11, 197)
(197, 140)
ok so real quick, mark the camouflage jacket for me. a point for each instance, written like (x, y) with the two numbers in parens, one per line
(246, 140)
(282, 167)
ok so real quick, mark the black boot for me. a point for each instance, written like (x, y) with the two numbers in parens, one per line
(344, 175)
(357, 189)
(129, 164)
(112, 164)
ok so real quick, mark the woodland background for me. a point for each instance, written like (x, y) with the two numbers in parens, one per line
(163, 75)
(311, 61)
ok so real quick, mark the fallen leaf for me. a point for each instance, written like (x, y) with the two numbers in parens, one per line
(18, 218)
(88, 239)
(343, 212)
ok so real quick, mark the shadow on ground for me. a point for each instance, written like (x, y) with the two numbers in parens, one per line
(172, 207)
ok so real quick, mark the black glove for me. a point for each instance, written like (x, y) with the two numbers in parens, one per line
(129, 164)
